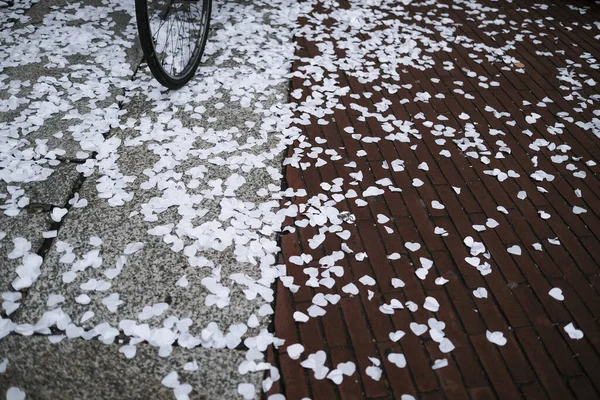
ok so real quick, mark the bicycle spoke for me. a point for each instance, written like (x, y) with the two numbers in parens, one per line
(178, 30)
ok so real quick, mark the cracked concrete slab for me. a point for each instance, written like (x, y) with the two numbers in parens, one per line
(56, 190)
(26, 225)
(79, 369)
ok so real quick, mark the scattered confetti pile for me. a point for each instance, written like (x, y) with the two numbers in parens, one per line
(375, 199)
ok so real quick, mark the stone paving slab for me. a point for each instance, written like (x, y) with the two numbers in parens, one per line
(79, 369)
(26, 225)
(211, 118)
(148, 277)
(56, 190)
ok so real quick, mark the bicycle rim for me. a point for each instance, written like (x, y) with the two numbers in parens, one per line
(173, 34)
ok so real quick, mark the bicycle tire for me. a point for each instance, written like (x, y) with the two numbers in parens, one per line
(144, 11)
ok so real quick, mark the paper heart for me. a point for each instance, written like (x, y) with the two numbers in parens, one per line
(306, 258)
(300, 317)
(319, 299)
(491, 223)
(421, 273)
(309, 363)
(316, 311)
(344, 235)
(557, 294)
(58, 213)
(319, 357)
(297, 260)
(412, 306)
(474, 261)
(295, 350)
(336, 376)
(350, 289)
(333, 298)
(446, 345)
(578, 210)
(426, 263)
(397, 359)
(374, 372)
(496, 337)
(437, 205)
(348, 368)
(436, 335)
(321, 372)
(301, 223)
(418, 329)
(396, 304)
(441, 281)
(360, 202)
(338, 197)
(412, 246)
(516, 250)
(417, 182)
(395, 336)
(435, 324)
(327, 282)
(468, 241)
(397, 283)
(544, 215)
(386, 309)
(382, 219)
(572, 332)
(360, 256)
(375, 361)
(437, 364)
(367, 280)
(431, 304)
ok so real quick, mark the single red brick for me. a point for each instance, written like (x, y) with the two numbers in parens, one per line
(544, 368)
(323, 388)
(504, 260)
(311, 336)
(412, 346)
(546, 331)
(285, 325)
(582, 317)
(273, 360)
(294, 377)
(350, 388)
(482, 393)
(451, 381)
(379, 322)
(432, 396)
(496, 370)
(533, 391)
(399, 378)
(362, 344)
(582, 388)
(334, 327)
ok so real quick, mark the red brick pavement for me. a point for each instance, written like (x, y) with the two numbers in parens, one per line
(539, 359)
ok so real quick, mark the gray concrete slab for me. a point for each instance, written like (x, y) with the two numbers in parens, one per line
(148, 277)
(150, 274)
(56, 190)
(79, 369)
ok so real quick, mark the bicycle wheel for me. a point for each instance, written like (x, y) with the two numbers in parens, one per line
(173, 34)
